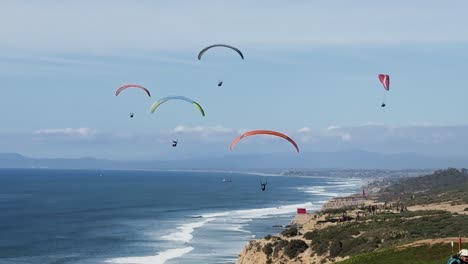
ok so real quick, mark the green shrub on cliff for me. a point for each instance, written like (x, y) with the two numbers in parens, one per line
(294, 248)
(290, 232)
(268, 249)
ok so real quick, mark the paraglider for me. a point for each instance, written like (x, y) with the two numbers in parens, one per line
(263, 185)
(126, 86)
(263, 132)
(200, 54)
(163, 100)
(174, 142)
(385, 80)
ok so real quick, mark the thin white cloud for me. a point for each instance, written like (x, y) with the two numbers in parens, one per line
(333, 127)
(103, 59)
(203, 130)
(304, 130)
(428, 140)
(54, 60)
(82, 132)
(306, 134)
(368, 124)
(344, 136)
(190, 25)
(422, 124)
(336, 131)
(410, 138)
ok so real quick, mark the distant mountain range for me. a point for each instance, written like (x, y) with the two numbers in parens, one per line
(307, 160)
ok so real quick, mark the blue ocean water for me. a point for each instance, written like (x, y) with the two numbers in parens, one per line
(147, 217)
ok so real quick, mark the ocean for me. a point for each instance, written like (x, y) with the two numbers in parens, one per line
(148, 217)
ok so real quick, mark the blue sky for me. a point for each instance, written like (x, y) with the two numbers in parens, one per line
(310, 71)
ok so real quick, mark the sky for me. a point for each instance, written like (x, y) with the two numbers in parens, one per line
(310, 71)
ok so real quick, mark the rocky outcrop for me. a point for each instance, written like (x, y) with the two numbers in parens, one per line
(290, 247)
(276, 250)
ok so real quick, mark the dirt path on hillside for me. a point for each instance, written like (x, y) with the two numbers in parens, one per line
(432, 241)
(459, 208)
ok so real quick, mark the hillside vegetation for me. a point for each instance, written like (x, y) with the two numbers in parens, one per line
(441, 186)
(425, 254)
(380, 229)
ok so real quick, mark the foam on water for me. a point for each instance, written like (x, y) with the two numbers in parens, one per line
(331, 190)
(232, 223)
(185, 231)
(345, 184)
(237, 228)
(233, 220)
(319, 190)
(260, 212)
(157, 225)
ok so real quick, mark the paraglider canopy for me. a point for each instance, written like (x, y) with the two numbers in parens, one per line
(163, 100)
(126, 86)
(385, 80)
(200, 54)
(263, 132)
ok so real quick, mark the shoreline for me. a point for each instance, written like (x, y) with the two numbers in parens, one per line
(285, 211)
(394, 215)
(251, 253)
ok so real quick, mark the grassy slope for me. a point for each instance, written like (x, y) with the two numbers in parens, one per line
(376, 237)
(386, 230)
(435, 254)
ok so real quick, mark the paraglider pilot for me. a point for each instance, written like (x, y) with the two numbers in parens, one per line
(263, 185)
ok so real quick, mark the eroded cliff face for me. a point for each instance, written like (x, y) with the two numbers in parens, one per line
(288, 248)
(252, 253)
(280, 250)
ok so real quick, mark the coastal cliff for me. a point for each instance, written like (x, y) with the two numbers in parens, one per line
(401, 221)
(291, 247)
